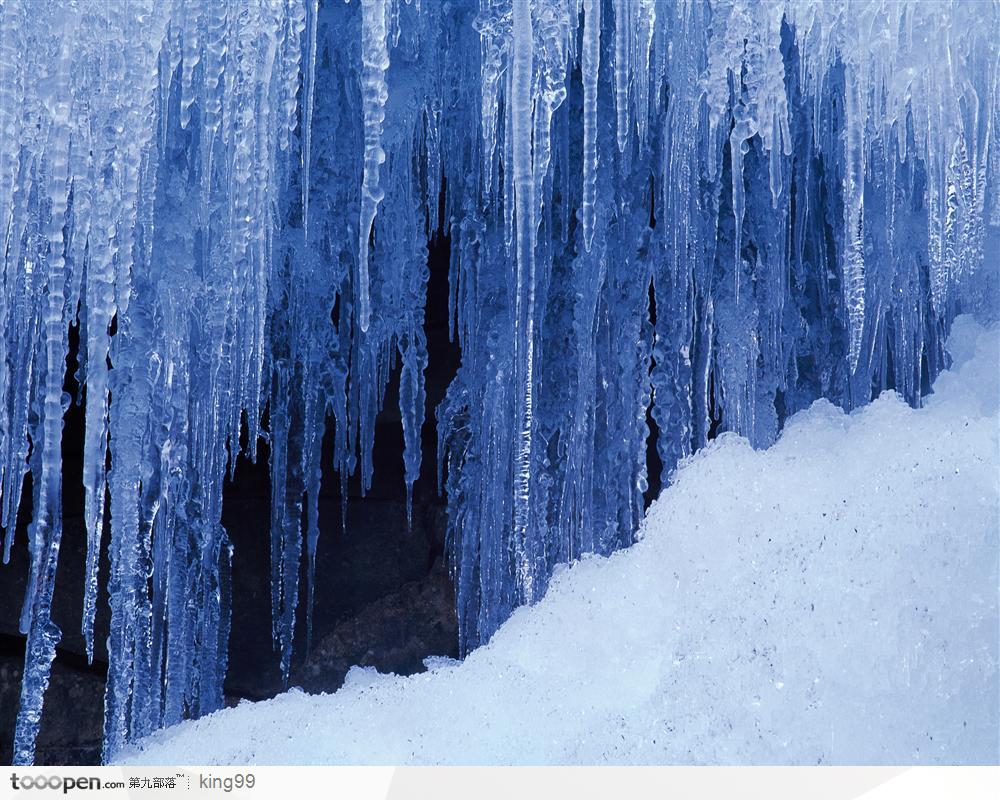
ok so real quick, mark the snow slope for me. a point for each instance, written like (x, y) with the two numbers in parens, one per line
(830, 600)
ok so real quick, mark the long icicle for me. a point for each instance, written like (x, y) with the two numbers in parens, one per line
(375, 60)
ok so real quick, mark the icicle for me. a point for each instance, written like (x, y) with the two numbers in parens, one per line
(46, 528)
(491, 27)
(522, 60)
(738, 148)
(291, 58)
(553, 26)
(310, 102)
(854, 246)
(192, 55)
(375, 58)
(623, 31)
(591, 68)
(12, 33)
(644, 35)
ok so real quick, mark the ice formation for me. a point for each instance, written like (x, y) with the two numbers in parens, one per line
(832, 600)
(716, 209)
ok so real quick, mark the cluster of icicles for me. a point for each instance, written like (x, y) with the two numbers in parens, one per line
(717, 210)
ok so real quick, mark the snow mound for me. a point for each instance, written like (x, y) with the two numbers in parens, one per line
(830, 600)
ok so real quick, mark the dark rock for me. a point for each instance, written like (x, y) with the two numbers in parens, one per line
(372, 561)
(393, 634)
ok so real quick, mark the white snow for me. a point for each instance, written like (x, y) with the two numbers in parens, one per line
(830, 600)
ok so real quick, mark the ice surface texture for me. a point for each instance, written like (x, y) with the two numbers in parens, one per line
(832, 599)
(233, 201)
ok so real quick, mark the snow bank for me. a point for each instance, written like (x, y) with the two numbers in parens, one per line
(830, 600)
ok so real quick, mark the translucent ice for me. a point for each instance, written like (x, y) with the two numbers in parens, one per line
(711, 212)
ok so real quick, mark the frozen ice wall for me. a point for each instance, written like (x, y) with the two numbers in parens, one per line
(721, 211)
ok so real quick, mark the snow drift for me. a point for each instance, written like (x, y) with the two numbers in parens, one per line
(832, 599)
